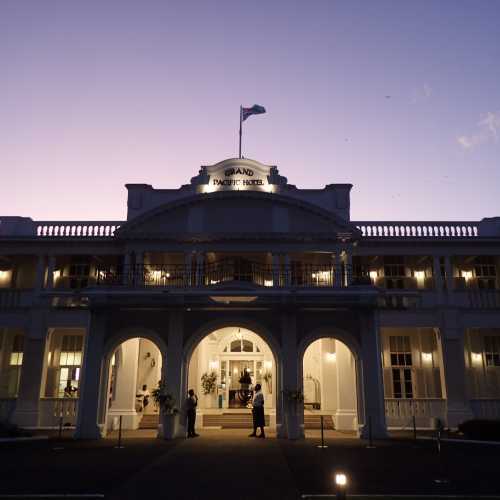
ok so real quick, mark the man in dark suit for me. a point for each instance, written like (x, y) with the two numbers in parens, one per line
(191, 404)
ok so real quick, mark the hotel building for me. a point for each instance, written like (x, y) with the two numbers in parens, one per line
(239, 278)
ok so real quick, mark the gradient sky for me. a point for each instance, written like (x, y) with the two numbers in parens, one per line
(96, 94)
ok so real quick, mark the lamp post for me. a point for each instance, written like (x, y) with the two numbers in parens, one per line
(340, 485)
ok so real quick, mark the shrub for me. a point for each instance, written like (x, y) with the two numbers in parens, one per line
(8, 430)
(485, 430)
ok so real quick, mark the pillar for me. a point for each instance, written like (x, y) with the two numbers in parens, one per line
(452, 348)
(127, 271)
(188, 269)
(199, 276)
(126, 386)
(288, 270)
(448, 271)
(372, 381)
(40, 272)
(50, 271)
(140, 272)
(337, 282)
(28, 398)
(348, 267)
(290, 424)
(87, 426)
(175, 369)
(276, 269)
(346, 417)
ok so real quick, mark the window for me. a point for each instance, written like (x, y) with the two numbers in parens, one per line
(486, 272)
(70, 361)
(401, 363)
(492, 351)
(16, 355)
(241, 345)
(394, 271)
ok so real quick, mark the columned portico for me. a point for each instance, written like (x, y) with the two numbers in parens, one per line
(372, 382)
(90, 421)
(30, 386)
(452, 345)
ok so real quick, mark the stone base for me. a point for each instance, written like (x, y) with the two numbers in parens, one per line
(346, 420)
(89, 432)
(130, 419)
(378, 431)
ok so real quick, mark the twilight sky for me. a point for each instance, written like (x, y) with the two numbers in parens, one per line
(96, 94)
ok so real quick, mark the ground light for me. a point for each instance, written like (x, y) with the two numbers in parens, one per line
(340, 485)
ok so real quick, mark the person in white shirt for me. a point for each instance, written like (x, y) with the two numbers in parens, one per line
(258, 412)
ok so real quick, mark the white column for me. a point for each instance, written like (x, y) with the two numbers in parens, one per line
(40, 272)
(289, 423)
(276, 269)
(127, 271)
(176, 367)
(188, 269)
(87, 426)
(337, 270)
(28, 399)
(126, 386)
(50, 271)
(452, 348)
(372, 381)
(448, 270)
(346, 416)
(199, 278)
(288, 271)
(139, 268)
(348, 267)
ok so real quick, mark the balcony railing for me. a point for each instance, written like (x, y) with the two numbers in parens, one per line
(486, 408)
(53, 409)
(418, 229)
(14, 298)
(77, 229)
(224, 272)
(400, 412)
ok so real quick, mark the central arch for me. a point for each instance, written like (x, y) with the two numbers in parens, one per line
(225, 362)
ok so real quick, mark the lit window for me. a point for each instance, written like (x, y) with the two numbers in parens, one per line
(492, 350)
(401, 362)
(16, 356)
(70, 361)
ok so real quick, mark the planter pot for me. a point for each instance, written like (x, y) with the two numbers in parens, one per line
(168, 424)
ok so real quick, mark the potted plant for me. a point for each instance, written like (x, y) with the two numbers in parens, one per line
(293, 399)
(168, 410)
(209, 386)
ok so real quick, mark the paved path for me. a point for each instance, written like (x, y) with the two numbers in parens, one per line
(216, 465)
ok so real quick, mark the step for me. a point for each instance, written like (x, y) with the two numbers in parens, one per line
(149, 422)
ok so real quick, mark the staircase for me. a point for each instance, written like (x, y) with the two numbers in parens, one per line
(231, 420)
(149, 422)
(314, 422)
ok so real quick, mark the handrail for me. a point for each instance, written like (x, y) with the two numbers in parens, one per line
(418, 229)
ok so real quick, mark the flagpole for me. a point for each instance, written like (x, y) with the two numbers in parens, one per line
(241, 111)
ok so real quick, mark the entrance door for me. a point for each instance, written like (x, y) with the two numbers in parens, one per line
(242, 376)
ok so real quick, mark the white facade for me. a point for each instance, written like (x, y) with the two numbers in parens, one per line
(240, 273)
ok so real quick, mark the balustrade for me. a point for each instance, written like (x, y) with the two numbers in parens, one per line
(52, 409)
(417, 229)
(400, 412)
(77, 229)
(223, 272)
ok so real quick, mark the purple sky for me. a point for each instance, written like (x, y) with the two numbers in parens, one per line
(96, 94)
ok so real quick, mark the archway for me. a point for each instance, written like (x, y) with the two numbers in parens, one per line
(330, 387)
(223, 370)
(133, 367)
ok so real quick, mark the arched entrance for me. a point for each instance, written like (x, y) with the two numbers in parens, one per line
(223, 370)
(330, 387)
(133, 368)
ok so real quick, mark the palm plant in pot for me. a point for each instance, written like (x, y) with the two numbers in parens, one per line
(168, 410)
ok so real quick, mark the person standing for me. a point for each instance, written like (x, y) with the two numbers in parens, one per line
(258, 412)
(191, 404)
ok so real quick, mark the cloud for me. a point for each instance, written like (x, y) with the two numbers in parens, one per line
(422, 94)
(489, 128)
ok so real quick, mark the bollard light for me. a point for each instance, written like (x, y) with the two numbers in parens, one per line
(340, 485)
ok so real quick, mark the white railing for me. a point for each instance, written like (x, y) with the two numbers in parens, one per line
(52, 409)
(485, 408)
(77, 229)
(400, 412)
(417, 229)
(7, 408)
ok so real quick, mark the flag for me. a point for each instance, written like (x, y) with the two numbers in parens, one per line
(254, 110)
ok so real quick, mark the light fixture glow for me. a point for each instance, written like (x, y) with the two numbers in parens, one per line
(467, 275)
(331, 357)
(477, 357)
(427, 357)
(268, 365)
(373, 275)
(268, 282)
(340, 479)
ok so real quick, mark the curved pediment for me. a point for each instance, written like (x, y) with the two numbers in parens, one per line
(231, 214)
